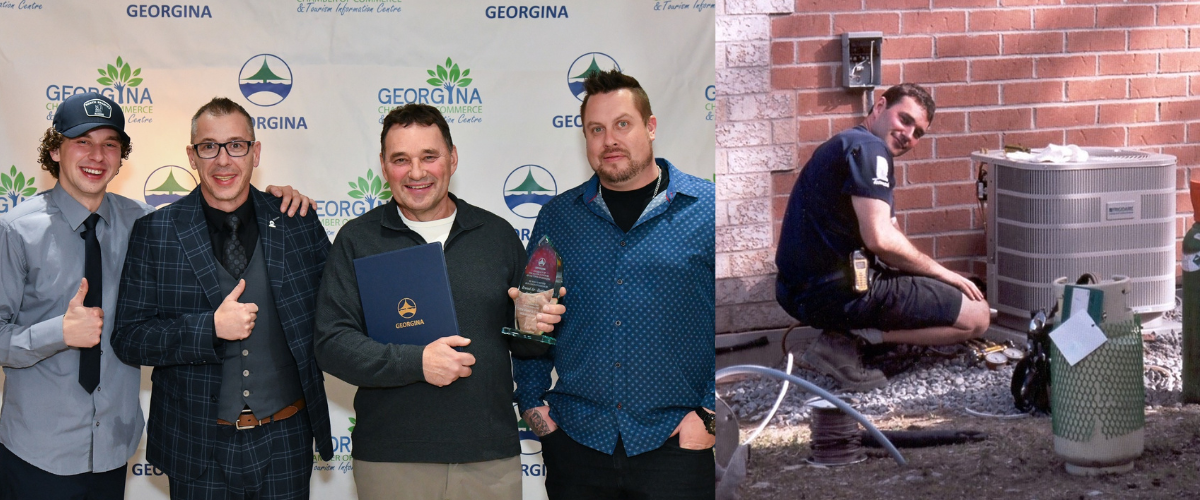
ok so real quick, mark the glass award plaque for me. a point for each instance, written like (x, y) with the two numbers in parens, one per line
(540, 285)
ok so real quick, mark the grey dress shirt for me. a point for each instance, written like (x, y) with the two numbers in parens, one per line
(47, 418)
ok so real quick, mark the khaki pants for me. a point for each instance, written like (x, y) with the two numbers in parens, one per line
(490, 480)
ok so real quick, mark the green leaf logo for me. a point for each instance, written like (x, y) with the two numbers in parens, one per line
(449, 76)
(353, 422)
(371, 189)
(119, 76)
(16, 186)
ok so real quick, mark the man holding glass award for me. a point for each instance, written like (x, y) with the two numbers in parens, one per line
(434, 419)
(632, 411)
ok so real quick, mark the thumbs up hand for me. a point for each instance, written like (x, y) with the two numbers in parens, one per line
(235, 320)
(82, 325)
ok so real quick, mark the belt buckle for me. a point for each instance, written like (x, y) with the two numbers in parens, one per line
(238, 423)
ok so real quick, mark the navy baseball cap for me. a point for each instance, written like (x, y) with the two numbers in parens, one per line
(81, 113)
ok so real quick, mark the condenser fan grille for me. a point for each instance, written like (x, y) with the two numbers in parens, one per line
(1116, 154)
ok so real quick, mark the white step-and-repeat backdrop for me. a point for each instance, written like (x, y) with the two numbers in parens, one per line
(318, 76)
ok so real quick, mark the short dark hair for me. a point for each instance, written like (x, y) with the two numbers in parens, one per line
(52, 140)
(893, 96)
(421, 114)
(603, 82)
(221, 106)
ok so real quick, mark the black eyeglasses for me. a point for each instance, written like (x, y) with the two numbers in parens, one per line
(210, 150)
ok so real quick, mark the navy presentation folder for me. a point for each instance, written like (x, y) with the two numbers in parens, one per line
(406, 296)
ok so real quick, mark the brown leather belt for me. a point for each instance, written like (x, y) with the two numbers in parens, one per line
(247, 420)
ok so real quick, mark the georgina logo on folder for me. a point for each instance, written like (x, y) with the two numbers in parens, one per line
(407, 309)
(399, 280)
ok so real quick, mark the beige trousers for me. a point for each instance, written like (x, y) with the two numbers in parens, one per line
(490, 480)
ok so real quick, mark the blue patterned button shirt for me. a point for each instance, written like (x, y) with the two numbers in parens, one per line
(635, 348)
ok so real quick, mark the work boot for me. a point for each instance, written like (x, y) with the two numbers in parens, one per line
(836, 354)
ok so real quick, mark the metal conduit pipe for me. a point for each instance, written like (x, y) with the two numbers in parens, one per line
(810, 387)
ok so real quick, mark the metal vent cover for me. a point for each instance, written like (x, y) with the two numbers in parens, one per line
(1113, 214)
(1116, 154)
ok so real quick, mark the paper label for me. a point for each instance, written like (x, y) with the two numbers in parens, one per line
(1078, 336)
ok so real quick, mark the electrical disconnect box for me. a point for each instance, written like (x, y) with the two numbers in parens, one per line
(861, 54)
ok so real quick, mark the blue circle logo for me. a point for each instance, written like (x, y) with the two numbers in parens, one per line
(584, 66)
(528, 188)
(171, 183)
(265, 80)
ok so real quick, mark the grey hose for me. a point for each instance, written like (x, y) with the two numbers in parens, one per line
(810, 387)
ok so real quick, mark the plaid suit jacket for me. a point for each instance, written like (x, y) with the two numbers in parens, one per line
(169, 293)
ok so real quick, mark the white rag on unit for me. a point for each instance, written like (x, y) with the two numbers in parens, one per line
(1051, 154)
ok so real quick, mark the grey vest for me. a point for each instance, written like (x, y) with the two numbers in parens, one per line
(259, 371)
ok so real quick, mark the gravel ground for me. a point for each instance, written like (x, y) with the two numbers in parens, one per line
(922, 380)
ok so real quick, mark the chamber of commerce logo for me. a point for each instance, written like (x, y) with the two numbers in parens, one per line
(120, 77)
(370, 189)
(407, 308)
(265, 80)
(120, 82)
(167, 184)
(365, 193)
(451, 94)
(584, 66)
(16, 187)
(447, 77)
(528, 188)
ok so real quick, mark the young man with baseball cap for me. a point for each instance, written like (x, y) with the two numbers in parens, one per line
(71, 417)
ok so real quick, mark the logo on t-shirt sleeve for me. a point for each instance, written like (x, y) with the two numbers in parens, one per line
(881, 172)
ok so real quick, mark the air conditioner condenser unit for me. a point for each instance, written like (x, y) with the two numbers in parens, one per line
(1112, 214)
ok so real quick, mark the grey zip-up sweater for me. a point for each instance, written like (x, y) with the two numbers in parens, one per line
(400, 417)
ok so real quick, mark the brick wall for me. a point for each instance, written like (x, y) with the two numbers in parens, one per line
(1029, 72)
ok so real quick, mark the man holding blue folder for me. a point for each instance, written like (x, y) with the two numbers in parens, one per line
(432, 421)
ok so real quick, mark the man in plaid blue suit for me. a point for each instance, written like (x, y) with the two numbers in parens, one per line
(218, 294)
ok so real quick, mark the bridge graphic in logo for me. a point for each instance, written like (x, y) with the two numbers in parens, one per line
(528, 188)
(167, 184)
(265, 80)
(407, 308)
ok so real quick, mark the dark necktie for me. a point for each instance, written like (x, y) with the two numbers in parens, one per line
(89, 357)
(235, 253)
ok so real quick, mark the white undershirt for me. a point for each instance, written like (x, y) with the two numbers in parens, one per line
(434, 230)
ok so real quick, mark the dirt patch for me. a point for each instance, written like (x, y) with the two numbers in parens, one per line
(1017, 461)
